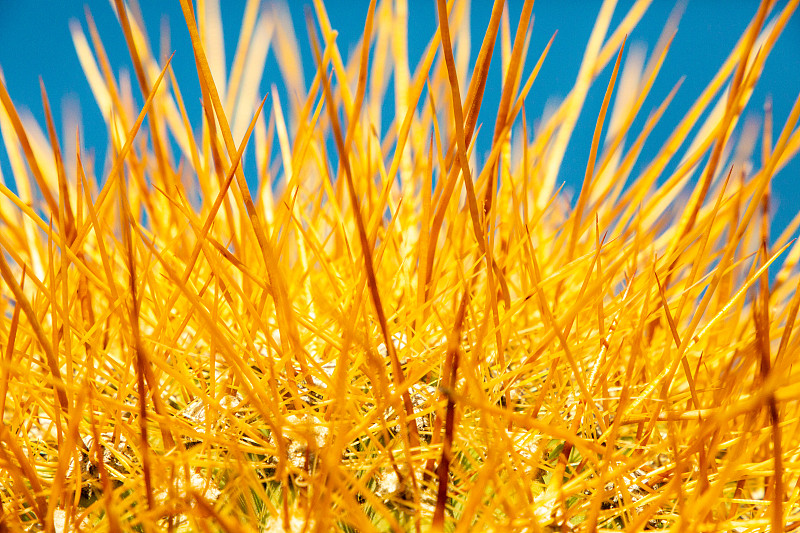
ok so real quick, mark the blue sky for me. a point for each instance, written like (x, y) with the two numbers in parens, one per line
(35, 41)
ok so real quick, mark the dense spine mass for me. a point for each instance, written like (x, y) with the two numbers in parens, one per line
(372, 325)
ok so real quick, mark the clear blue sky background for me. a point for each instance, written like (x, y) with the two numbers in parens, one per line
(35, 41)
